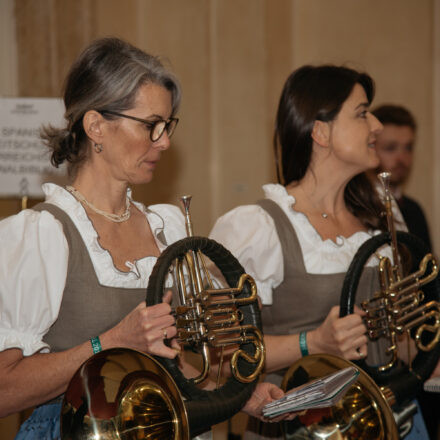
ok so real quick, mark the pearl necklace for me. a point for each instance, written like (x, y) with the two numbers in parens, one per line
(112, 217)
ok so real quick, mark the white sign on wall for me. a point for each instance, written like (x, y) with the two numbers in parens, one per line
(24, 160)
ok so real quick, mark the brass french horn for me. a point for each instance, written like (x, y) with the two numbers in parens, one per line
(379, 405)
(124, 394)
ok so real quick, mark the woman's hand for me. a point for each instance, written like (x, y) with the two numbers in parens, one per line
(265, 393)
(145, 329)
(345, 337)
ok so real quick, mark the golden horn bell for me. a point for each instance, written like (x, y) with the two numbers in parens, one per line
(123, 394)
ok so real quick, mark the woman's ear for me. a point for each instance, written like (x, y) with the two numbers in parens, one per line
(321, 133)
(93, 124)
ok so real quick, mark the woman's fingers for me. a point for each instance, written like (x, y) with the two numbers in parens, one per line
(163, 351)
(146, 329)
(350, 339)
(176, 346)
(168, 332)
(157, 310)
(358, 311)
(162, 321)
(274, 393)
(342, 336)
(361, 352)
(167, 298)
(264, 393)
(350, 323)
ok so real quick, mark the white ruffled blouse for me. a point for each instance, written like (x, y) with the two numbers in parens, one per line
(249, 233)
(33, 265)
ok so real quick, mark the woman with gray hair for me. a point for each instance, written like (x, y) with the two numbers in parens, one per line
(73, 270)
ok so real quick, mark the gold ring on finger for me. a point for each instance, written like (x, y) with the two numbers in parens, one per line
(359, 352)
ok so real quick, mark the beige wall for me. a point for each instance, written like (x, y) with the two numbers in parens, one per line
(220, 51)
(435, 221)
(232, 57)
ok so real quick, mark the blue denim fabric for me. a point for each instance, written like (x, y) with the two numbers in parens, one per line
(43, 424)
(418, 431)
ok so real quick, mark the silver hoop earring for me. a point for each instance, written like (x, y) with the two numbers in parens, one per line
(98, 148)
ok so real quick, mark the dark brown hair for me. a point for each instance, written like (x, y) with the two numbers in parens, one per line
(317, 93)
(106, 76)
(396, 115)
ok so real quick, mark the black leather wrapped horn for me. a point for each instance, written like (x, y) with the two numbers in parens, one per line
(207, 408)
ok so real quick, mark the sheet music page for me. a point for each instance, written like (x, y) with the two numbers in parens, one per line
(319, 393)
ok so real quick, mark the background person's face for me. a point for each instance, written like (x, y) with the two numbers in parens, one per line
(394, 147)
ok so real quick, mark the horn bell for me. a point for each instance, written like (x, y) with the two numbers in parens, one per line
(123, 394)
(363, 413)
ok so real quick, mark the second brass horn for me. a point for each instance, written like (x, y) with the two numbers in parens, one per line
(406, 304)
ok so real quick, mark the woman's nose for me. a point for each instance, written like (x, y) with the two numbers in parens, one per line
(375, 124)
(163, 143)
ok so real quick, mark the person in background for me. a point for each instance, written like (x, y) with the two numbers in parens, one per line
(395, 148)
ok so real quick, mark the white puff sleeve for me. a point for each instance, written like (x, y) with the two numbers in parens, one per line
(249, 233)
(33, 266)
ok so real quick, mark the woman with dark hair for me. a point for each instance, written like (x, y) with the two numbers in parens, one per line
(298, 242)
(73, 271)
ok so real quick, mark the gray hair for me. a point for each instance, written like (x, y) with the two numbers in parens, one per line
(106, 76)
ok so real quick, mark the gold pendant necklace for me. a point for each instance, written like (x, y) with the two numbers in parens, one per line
(112, 217)
(324, 215)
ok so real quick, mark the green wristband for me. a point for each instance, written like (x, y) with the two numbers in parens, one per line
(303, 344)
(96, 345)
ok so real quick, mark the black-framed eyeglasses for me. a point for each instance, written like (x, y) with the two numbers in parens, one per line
(156, 128)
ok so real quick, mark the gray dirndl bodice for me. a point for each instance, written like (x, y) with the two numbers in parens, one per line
(87, 308)
(301, 302)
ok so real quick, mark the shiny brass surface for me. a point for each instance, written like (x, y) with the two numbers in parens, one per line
(384, 179)
(209, 317)
(397, 308)
(123, 394)
(363, 413)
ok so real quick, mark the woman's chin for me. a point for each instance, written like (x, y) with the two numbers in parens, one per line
(373, 159)
(375, 163)
(141, 179)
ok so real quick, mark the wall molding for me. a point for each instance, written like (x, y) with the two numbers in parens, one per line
(436, 124)
(8, 50)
